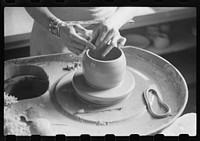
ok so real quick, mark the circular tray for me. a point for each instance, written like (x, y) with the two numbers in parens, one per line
(145, 66)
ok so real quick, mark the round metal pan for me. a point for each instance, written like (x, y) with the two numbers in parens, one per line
(167, 79)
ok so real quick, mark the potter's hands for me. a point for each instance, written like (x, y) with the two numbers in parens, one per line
(75, 37)
(107, 34)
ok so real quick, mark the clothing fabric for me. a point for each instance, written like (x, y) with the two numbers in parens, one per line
(43, 42)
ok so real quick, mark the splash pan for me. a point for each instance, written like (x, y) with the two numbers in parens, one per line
(71, 115)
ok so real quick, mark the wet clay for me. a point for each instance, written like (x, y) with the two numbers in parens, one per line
(65, 96)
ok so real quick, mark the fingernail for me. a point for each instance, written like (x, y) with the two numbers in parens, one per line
(104, 54)
(93, 47)
(119, 45)
(97, 44)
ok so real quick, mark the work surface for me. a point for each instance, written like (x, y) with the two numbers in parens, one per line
(169, 81)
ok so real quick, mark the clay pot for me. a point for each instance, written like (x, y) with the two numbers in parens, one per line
(161, 41)
(104, 73)
(137, 40)
(165, 28)
(152, 31)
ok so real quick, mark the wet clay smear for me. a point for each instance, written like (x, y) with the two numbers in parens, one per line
(72, 66)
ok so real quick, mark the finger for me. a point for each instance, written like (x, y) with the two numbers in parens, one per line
(93, 26)
(75, 50)
(102, 33)
(79, 28)
(84, 32)
(107, 38)
(113, 43)
(81, 40)
(94, 36)
(107, 50)
(89, 34)
(121, 42)
(77, 45)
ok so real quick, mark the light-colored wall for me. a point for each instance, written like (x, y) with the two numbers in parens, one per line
(16, 21)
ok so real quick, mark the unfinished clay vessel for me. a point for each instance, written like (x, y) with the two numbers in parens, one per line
(161, 41)
(104, 73)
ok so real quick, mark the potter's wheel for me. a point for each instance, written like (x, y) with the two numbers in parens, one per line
(67, 99)
(103, 97)
(61, 105)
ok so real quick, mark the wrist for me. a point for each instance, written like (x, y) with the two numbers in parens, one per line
(54, 27)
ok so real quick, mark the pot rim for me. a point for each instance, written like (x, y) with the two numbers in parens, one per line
(102, 61)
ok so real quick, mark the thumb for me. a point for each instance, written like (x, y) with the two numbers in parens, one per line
(82, 31)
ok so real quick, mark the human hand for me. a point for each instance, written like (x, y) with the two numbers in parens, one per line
(107, 35)
(75, 37)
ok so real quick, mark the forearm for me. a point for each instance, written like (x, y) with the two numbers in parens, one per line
(42, 15)
(122, 16)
